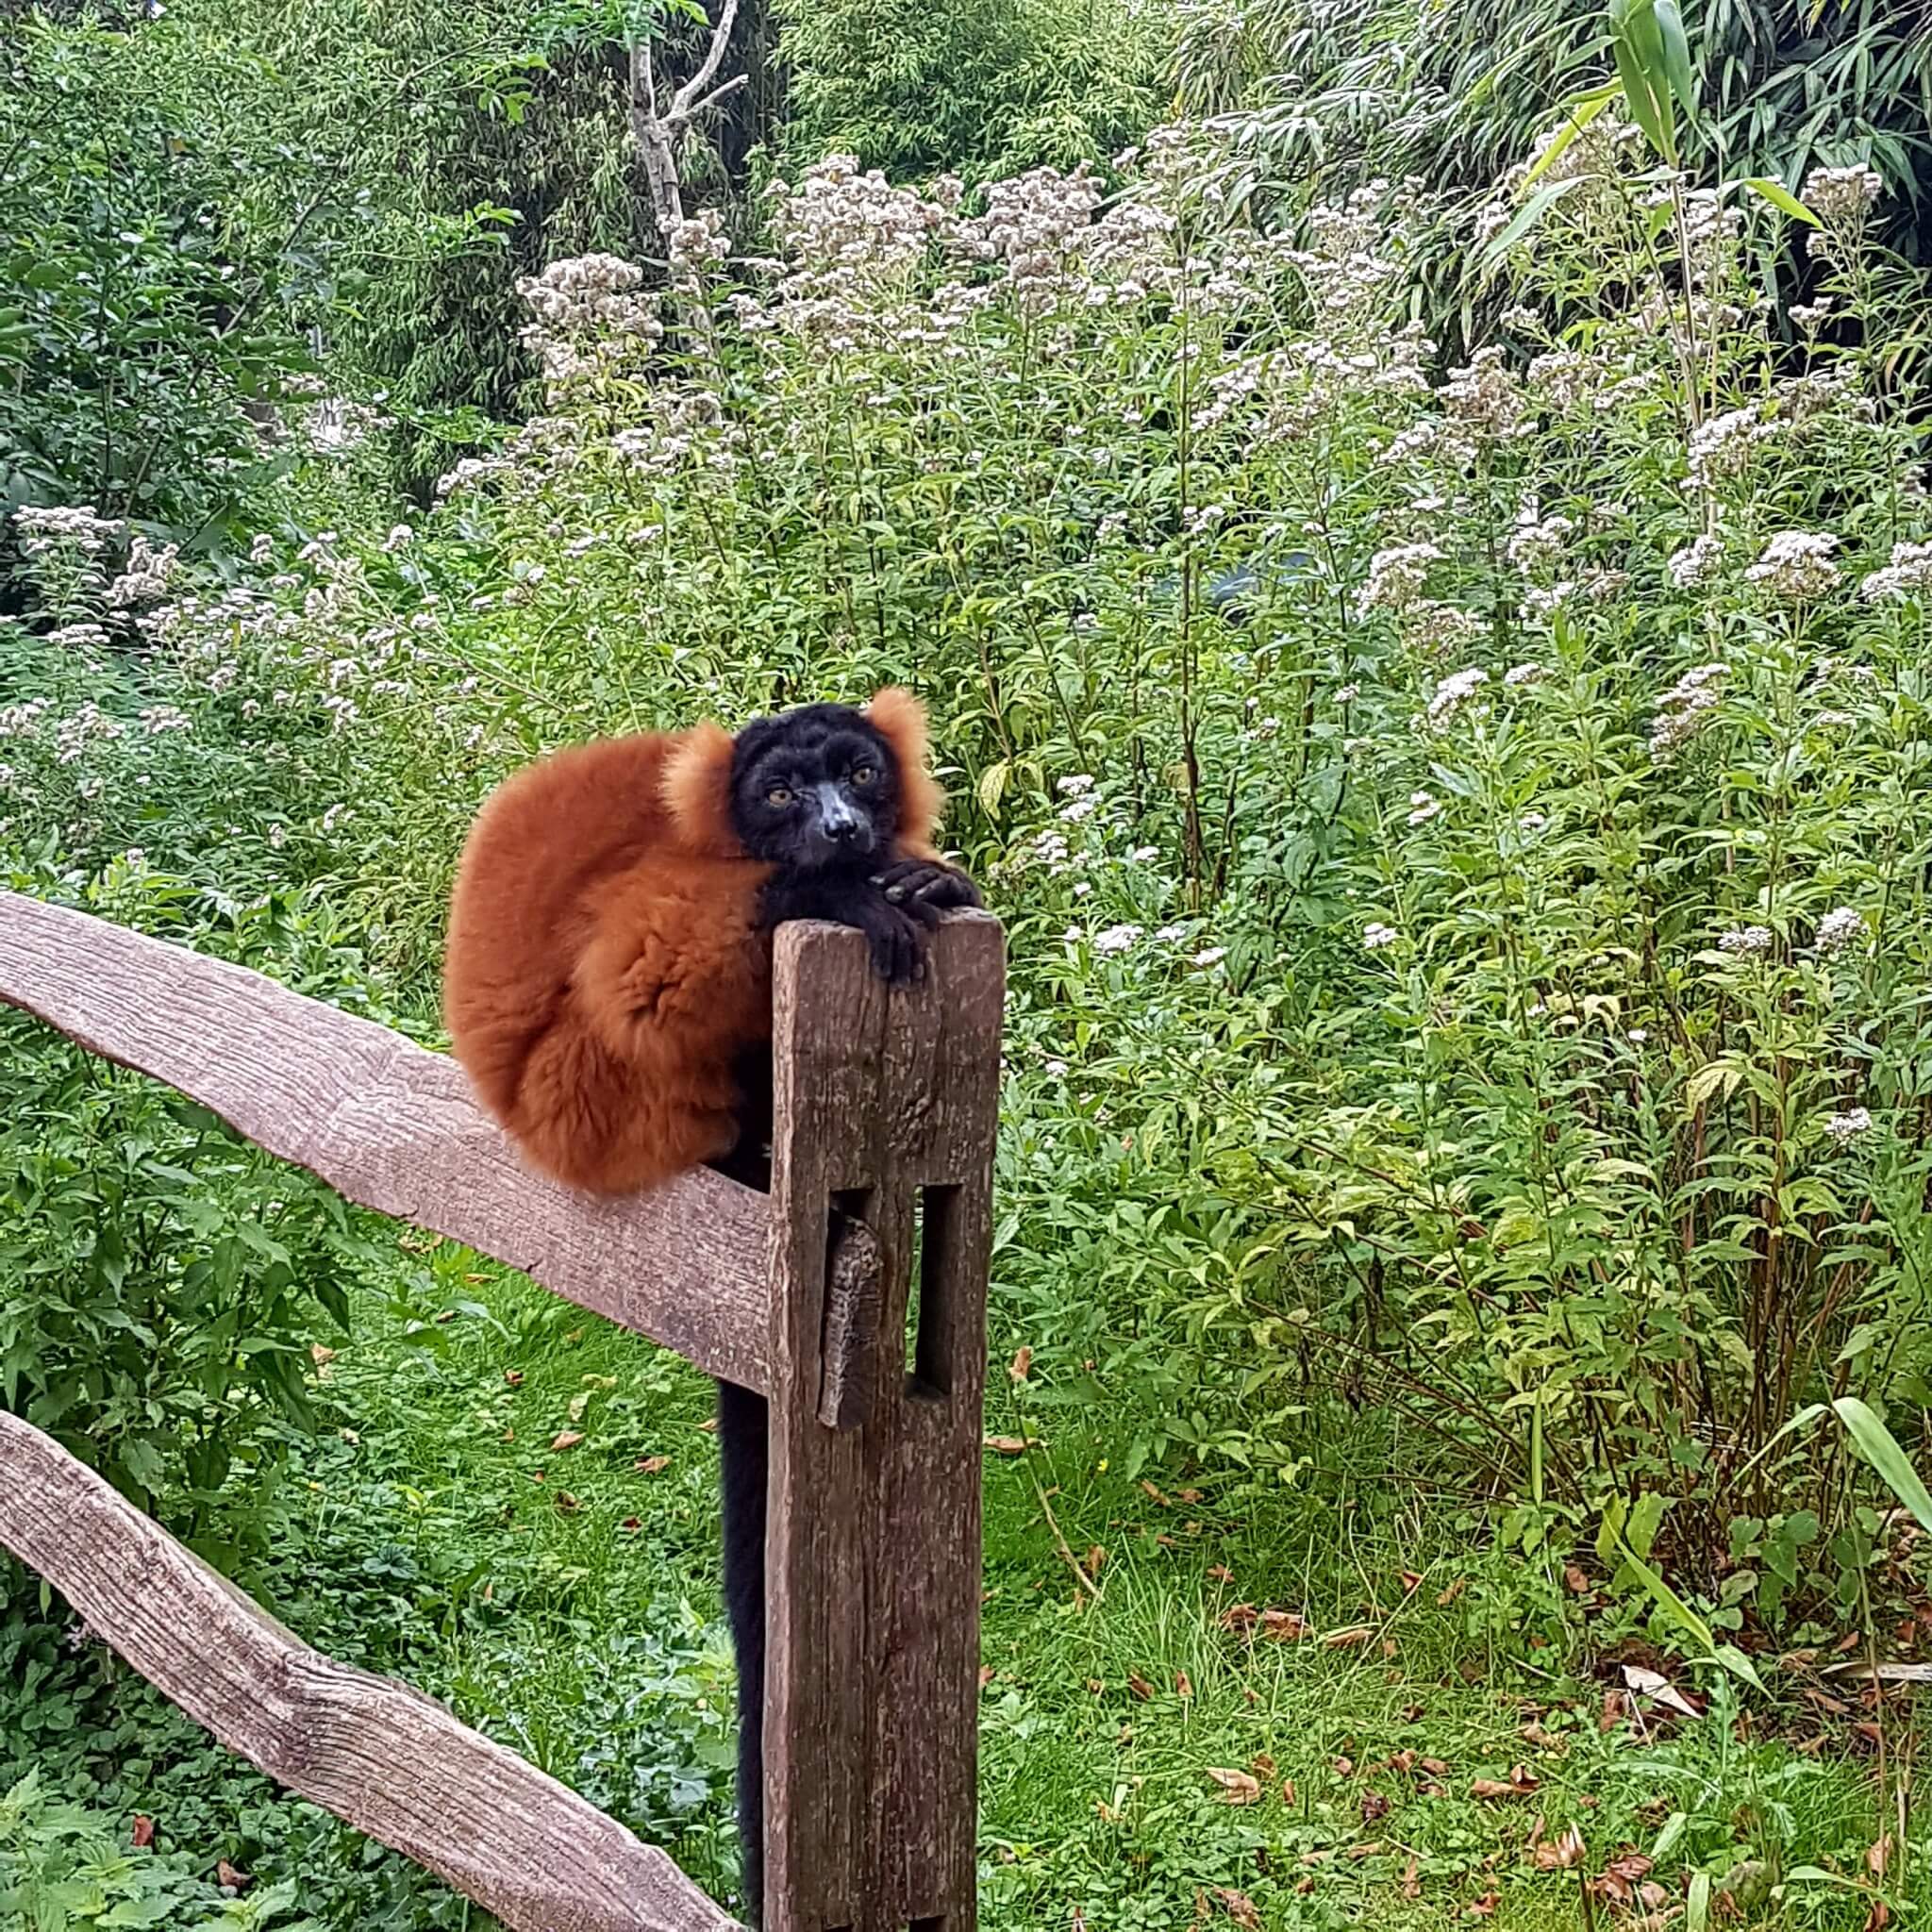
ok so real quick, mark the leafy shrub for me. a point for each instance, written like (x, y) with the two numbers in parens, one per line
(142, 323)
(983, 87)
(64, 1869)
(160, 1282)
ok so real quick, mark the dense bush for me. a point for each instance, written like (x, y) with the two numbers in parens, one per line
(1462, 833)
(982, 87)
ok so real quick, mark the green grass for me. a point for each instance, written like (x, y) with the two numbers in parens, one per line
(576, 1618)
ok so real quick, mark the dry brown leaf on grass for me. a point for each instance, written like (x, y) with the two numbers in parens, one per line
(1483, 1908)
(1006, 1445)
(1411, 1882)
(1521, 1783)
(1374, 1808)
(1221, 1572)
(226, 1875)
(1623, 1877)
(1659, 1690)
(1454, 1591)
(564, 1439)
(1237, 1787)
(1239, 1908)
(1183, 1686)
(1563, 1853)
(650, 1465)
(1022, 1365)
(1095, 1558)
(1577, 1582)
(144, 1832)
(1288, 1794)
(1879, 1917)
(1139, 1685)
(1342, 1640)
(984, 1675)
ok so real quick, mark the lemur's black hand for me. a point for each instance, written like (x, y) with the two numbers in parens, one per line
(923, 885)
(896, 929)
(898, 936)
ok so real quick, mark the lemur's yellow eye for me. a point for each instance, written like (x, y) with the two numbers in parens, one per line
(864, 774)
(778, 794)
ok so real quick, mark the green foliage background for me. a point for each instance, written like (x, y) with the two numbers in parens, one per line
(1459, 812)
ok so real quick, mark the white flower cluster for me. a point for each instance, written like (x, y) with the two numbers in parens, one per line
(1841, 928)
(1841, 194)
(1727, 445)
(144, 576)
(584, 292)
(1375, 936)
(1746, 938)
(1909, 573)
(1684, 710)
(44, 530)
(1536, 541)
(1693, 564)
(1486, 399)
(1397, 577)
(695, 247)
(590, 312)
(1843, 1129)
(1456, 694)
(1796, 565)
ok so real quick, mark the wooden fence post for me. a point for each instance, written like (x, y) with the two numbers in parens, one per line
(886, 1106)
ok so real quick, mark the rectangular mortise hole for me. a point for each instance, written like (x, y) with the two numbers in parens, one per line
(928, 1326)
(938, 1925)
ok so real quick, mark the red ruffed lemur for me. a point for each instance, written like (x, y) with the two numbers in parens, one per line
(608, 988)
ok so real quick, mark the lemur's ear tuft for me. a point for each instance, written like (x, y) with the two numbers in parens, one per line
(696, 789)
(899, 718)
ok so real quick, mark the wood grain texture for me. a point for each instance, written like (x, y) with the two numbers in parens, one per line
(375, 1753)
(873, 1547)
(394, 1128)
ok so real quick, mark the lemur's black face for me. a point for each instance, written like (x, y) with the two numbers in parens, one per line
(814, 790)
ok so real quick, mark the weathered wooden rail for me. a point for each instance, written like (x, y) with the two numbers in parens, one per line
(885, 1110)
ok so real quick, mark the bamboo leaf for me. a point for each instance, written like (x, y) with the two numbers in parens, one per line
(1780, 197)
(1879, 1447)
(1580, 112)
(1526, 217)
(1676, 56)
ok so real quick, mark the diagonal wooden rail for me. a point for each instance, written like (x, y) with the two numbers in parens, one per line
(393, 1126)
(387, 1759)
(885, 1115)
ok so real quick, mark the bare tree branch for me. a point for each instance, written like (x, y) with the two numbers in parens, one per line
(659, 135)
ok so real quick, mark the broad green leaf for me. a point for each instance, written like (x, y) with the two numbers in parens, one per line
(1580, 112)
(1676, 54)
(1697, 1905)
(1780, 196)
(1879, 1447)
(1526, 218)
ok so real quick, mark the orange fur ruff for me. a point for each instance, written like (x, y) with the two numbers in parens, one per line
(605, 966)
